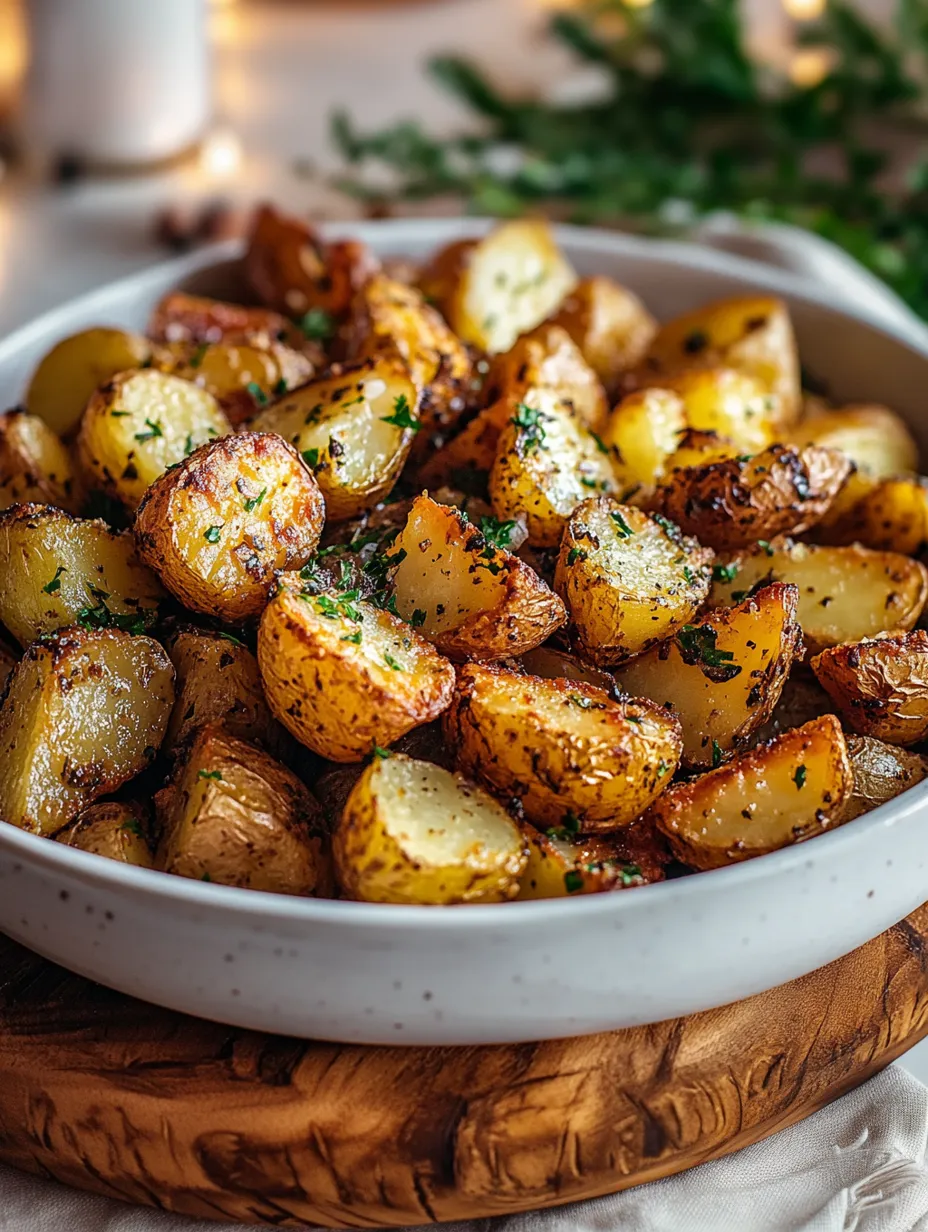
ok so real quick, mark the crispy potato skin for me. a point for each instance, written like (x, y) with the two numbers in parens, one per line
(780, 793)
(583, 864)
(881, 772)
(34, 464)
(220, 525)
(413, 832)
(609, 324)
(85, 711)
(548, 357)
(115, 829)
(572, 755)
(242, 377)
(234, 815)
(885, 515)
(880, 687)
(341, 697)
(182, 318)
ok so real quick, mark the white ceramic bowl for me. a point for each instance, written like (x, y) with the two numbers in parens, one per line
(493, 974)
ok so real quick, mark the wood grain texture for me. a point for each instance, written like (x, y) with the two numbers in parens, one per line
(109, 1094)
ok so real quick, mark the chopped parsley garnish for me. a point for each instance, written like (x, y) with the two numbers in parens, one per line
(257, 393)
(799, 778)
(670, 529)
(212, 533)
(318, 324)
(528, 418)
(188, 445)
(762, 543)
(577, 700)
(688, 575)
(118, 414)
(252, 504)
(571, 822)
(698, 645)
(716, 754)
(197, 357)
(383, 754)
(341, 606)
(209, 774)
(600, 443)
(725, 573)
(280, 388)
(630, 873)
(662, 769)
(206, 877)
(575, 554)
(133, 827)
(353, 637)
(391, 662)
(417, 619)
(311, 458)
(623, 529)
(573, 881)
(154, 429)
(229, 637)
(55, 583)
(591, 483)
(402, 416)
(100, 617)
(498, 533)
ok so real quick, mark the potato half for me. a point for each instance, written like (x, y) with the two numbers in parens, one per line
(182, 318)
(562, 866)
(115, 829)
(880, 688)
(219, 526)
(629, 580)
(886, 515)
(642, 433)
(413, 832)
(609, 324)
(722, 677)
(34, 464)
(242, 378)
(548, 358)
(729, 402)
(881, 773)
(85, 711)
(574, 757)
(770, 797)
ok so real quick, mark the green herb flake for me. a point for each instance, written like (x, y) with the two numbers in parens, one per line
(698, 645)
(496, 532)
(662, 769)
(383, 754)
(206, 877)
(528, 418)
(571, 822)
(133, 827)
(391, 662)
(600, 443)
(257, 393)
(188, 445)
(577, 700)
(725, 573)
(311, 458)
(630, 873)
(197, 357)
(576, 554)
(318, 324)
(212, 533)
(402, 416)
(762, 543)
(55, 583)
(716, 754)
(688, 575)
(623, 530)
(573, 881)
(799, 778)
(355, 637)
(417, 619)
(280, 388)
(252, 504)
(154, 429)
(229, 637)
(209, 774)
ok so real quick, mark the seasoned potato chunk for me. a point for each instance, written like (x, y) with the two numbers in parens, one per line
(182, 318)
(574, 757)
(120, 831)
(609, 324)
(562, 865)
(235, 816)
(845, 594)
(880, 687)
(548, 358)
(413, 832)
(642, 433)
(241, 378)
(60, 570)
(734, 503)
(141, 423)
(464, 591)
(353, 430)
(697, 448)
(34, 465)
(85, 711)
(881, 772)
(733, 404)
(723, 676)
(344, 676)
(493, 289)
(217, 527)
(66, 377)
(888, 514)
(629, 580)
(875, 438)
(547, 463)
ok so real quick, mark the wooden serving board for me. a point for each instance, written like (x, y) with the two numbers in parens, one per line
(109, 1094)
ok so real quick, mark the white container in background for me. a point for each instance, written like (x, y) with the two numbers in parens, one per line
(118, 82)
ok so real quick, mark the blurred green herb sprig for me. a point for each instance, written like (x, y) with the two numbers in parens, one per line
(689, 118)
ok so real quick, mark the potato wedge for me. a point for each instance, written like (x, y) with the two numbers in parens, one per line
(353, 430)
(235, 816)
(770, 797)
(85, 711)
(138, 425)
(881, 772)
(551, 664)
(464, 591)
(642, 433)
(34, 464)
(575, 758)
(879, 688)
(182, 318)
(731, 403)
(887, 515)
(61, 570)
(548, 358)
(629, 580)
(344, 676)
(493, 289)
(242, 378)
(219, 526)
(413, 832)
(547, 463)
(845, 594)
(734, 503)
(876, 439)
(722, 677)
(610, 325)
(564, 867)
(66, 377)
(120, 831)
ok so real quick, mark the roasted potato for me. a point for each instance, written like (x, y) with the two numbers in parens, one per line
(574, 757)
(242, 378)
(492, 289)
(734, 503)
(881, 772)
(344, 676)
(182, 318)
(120, 831)
(353, 430)
(609, 324)
(85, 711)
(731, 403)
(776, 794)
(464, 591)
(413, 832)
(875, 438)
(219, 526)
(845, 594)
(885, 514)
(138, 425)
(548, 358)
(61, 570)
(879, 688)
(642, 433)
(66, 377)
(696, 448)
(561, 866)
(547, 462)
(34, 464)
(629, 580)
(551, 664)
(722, 677)
(234, 815)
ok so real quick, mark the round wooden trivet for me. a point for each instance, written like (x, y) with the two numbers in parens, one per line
(109, 1094)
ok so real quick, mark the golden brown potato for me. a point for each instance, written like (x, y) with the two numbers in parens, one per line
(731, 403)
(779, 793)
(752, 334)
(548, 358)
(887, 514)
(217, 527)
(629, 580)
(609, 324)
(547, 462)
(413, 832)
(732, 504)
(551, 664)
(845, 594)
(464, 591)
(881, 772)
(182, 318)
(575, 758)
(115, 829)
(723, 676)
(34, 465)
(353, 430)
(344, 676)
(875, 438)
(493, 289)
(880, 688)
(66, 377)
(642, 433)
(60, 570)
(235, 816)
(85, 711)
(138, 425)
(699, 449)
(561, 866)
(241, 377)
